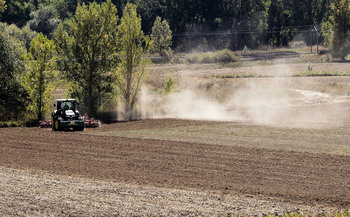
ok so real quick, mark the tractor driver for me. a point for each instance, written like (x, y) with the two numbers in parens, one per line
(65, 107)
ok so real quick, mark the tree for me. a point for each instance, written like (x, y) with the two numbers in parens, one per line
(87, 53)
(17, 12)
(13, 96)
(341, 28)
(40, 78)
(279, 22)
(24, 34)
(161, 37)
(134, 47)
(44, 20)
(65, 8)
(2, 6)
(148, 10)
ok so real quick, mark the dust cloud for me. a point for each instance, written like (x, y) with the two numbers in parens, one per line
(278, 101)
(247, 103)
(184, 104)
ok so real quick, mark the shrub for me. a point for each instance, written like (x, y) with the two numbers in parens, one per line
(169, 85)
(245, 50)
(222, 56)
(309, 67)
(225, 56)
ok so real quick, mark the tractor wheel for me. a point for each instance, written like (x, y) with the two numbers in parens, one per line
(56, 125)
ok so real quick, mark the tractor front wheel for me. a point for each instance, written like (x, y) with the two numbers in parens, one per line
(56, 125)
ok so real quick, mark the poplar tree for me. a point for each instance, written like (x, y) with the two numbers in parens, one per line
(88, 53)
(134, 48)
(161, 37)
(39, 80)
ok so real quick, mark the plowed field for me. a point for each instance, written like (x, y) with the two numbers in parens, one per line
(183, 175)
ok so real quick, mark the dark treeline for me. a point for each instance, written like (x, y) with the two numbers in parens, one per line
(195, 23)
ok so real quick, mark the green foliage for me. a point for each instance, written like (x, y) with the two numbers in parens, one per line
(65, 9)
(341, 29)
(13, 96)
(161, 38)
(336, 29)
(222, 56)
(2, 6)
(17, 12)
(11, 124)
(169, 85)
(327, 33)
(220, 24)
(149, 10)
(44, 20)
(87, 53)
(24, 34)
(134, 47)
(279, 17)
(40, 78)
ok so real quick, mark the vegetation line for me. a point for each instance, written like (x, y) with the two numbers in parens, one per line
(299, 74)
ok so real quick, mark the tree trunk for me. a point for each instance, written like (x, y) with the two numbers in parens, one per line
(90, 102)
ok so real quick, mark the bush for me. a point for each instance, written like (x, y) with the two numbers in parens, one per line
(225, 56)
(169, 85)
(222, 56)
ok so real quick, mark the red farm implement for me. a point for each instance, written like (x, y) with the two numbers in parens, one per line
(90, 122)
(45, 123)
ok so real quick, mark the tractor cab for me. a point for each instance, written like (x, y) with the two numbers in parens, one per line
(66, 105)
(67, 108)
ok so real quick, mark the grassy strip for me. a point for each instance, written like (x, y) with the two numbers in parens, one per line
(320, 74)
(298, 74)
(26, 123)
(10, 124)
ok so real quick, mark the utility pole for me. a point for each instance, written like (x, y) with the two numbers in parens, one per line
(316, 29)
(311, 38)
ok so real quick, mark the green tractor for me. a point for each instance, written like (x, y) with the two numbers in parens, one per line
(66, 116)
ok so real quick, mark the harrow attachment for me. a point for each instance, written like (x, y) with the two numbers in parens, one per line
(45, 123)
(90, 123)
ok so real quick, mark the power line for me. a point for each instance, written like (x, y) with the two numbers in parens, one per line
(298, 29)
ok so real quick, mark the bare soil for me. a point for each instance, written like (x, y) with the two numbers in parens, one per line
(299, 179)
